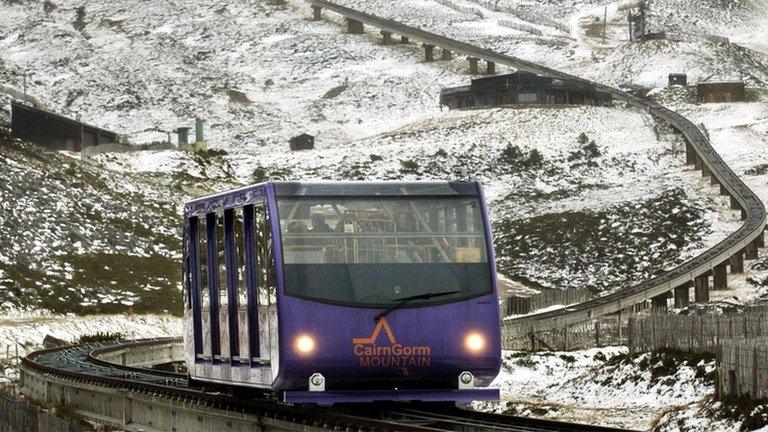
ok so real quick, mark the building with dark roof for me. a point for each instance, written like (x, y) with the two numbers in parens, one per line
(304, 141)
(523, 88)
(54, 131)
(726, 91)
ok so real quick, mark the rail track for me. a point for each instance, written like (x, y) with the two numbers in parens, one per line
(699, 152)
(137, 398)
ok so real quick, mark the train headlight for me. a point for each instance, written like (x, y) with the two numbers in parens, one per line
(304, 344)
(474, 342)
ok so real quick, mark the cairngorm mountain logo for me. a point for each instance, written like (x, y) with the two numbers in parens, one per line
(393, 354)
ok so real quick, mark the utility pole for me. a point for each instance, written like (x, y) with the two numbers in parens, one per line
(605, 23)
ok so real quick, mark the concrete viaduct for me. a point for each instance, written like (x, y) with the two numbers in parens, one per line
(694, 275)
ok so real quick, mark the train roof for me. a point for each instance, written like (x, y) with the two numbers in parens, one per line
(368, 188)
(253, 193)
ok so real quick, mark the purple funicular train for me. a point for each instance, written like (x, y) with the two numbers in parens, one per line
(333, 292)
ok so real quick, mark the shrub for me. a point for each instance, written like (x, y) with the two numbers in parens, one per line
(100, 337)
(516, 159)
(409, 166)
(261, 174)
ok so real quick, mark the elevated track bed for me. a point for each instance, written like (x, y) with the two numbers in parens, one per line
(135, 398)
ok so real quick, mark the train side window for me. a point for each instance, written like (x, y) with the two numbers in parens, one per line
(265, 258)
(192, 274)
(266, 269)
(238, 312)
(242, 288)
(186, 268)
(205, 298)
(202, 262)
(222, 266)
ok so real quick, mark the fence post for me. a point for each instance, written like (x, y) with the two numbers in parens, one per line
(754, 373)
(735, 374)
(597, 333)
(533, 340)
(618, 318)
(566, 337)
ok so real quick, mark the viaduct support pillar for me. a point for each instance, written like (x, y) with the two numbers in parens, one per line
(701, 289)
(447, 54)
(737, 263)
(735, 204)
(760, 240)
(429, 52)
(317, 13)
(690, 154)
(386, 37)
(750, 252)
(404, 40)
(355, 27)
(713, 180)
(697, 163)
(682, 295)
(473, 65)
(705, 172)
(723, 190)
(720, 277)
(659, 303)
(491, 68)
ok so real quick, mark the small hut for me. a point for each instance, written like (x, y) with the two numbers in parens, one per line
(302, 142)
(677, 79)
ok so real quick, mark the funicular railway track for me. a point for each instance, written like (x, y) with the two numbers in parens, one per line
(138, 398)
(699, 152)
(135, 398)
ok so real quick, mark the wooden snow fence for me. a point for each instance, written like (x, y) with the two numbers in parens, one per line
(604, 331)
(19, 415)
(739, 342)
(742, 368)
(525, 305)
(699, 334)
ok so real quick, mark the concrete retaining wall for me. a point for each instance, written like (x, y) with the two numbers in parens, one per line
(132, 411)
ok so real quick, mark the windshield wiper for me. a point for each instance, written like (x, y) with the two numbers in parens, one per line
(401, 301)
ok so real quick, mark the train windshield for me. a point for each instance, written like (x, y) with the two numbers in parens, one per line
(372, 251)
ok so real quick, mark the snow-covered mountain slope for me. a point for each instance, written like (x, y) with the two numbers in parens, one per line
(258, 73)
(262, 73)
(77, 238)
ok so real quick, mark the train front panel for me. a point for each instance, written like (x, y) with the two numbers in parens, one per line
(387, 288)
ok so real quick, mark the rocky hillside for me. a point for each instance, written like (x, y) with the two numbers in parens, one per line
(77, 238)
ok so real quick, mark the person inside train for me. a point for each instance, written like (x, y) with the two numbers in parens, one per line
(319, 225)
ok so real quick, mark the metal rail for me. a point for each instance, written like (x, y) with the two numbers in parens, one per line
(754, 214)
(81, 364)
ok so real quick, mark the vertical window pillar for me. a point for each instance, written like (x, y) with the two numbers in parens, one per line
(230, 260)
(251, 281)
(213, 284)
(194, 285)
